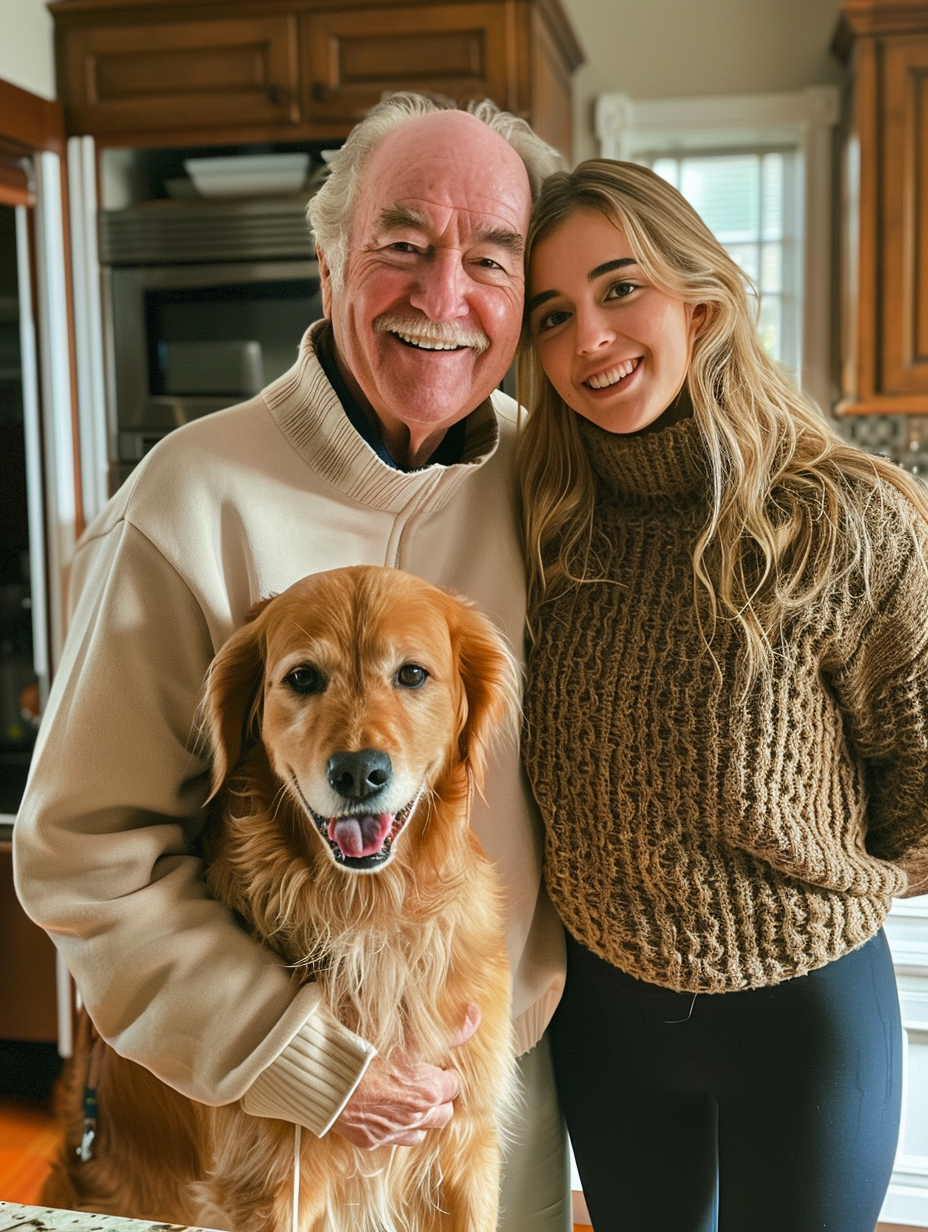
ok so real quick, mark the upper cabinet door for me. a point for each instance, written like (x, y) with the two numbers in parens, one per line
(905, 216)
(174, 75)
(355, 55)
(884, 346)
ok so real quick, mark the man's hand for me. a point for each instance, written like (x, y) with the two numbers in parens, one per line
(397, 1101)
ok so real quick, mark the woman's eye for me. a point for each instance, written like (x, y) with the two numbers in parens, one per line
(619, 290)
(411, 676)
(551, 320)
(306, 679)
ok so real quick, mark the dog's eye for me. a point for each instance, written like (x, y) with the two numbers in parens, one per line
(306, 679)
(411, 676)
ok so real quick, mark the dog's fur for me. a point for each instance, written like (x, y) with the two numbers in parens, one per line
(400, 940)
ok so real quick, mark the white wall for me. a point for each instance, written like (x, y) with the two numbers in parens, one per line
(677, 48)
(26, 57)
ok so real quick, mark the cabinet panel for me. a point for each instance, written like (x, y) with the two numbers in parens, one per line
(28, 1007)
(176, 75)
(904, 350)
(354, 56)
(552, 101)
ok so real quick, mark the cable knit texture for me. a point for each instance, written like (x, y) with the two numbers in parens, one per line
(699, 841)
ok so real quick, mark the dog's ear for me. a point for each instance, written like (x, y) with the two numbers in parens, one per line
(230, 716)
(490, 678)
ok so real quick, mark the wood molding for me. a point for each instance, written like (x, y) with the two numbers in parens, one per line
(563, 33)
(868, 18)
(890, 404)
(14, 185)
(28, 122)
(885, 16)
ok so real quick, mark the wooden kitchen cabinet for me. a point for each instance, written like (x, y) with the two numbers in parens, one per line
(194, 72)
(174, 74)
(885, 186)
(28, 1007)
(354, 55)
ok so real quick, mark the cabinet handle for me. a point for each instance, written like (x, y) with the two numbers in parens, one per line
(320, 91)
(273, 95)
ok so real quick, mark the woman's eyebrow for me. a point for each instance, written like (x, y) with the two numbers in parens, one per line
(606, 268)
(539, 299)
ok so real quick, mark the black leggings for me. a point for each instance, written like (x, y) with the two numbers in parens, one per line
(771, 1110)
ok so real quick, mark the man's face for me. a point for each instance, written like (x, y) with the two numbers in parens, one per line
(428, 316)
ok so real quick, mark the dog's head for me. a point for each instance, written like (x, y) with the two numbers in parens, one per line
(369, 689)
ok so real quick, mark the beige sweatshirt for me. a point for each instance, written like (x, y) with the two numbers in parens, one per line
(695, 840)
(227, 510)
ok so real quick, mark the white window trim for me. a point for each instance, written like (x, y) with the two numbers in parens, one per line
(805, 120)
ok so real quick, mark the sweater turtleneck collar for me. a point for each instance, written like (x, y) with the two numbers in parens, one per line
(665, 464)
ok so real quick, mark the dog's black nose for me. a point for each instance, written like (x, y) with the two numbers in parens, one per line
(358, 776)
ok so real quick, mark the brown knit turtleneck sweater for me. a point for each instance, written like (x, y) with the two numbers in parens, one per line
(700, 842)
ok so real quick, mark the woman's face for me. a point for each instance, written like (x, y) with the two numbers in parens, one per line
(614, 347)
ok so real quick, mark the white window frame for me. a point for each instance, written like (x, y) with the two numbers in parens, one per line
(804, 121)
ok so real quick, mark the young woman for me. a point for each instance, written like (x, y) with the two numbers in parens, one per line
(726, 728)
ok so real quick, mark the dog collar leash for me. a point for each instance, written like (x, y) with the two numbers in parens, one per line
(89, 1130)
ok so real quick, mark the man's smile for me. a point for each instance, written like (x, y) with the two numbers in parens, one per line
(426, 344)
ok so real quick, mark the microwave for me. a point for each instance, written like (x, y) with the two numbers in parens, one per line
(205, 304)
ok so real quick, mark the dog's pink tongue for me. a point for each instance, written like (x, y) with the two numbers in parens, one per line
(360, 836)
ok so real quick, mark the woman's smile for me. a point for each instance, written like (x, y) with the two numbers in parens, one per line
(612, 376)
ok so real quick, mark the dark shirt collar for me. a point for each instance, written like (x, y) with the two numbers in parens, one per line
(450, 450)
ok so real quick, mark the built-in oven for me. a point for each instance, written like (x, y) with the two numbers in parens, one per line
(205, 303)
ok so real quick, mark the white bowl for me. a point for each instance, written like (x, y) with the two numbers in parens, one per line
(248, 175)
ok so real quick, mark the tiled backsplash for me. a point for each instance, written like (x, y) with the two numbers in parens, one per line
(904, 438)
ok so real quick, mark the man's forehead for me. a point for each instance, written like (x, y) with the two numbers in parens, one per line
(451, 162)
(489, 219)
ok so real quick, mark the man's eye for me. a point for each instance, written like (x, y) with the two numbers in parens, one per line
(411, 676)
(306, 679)
(402, 246)
(489, 263)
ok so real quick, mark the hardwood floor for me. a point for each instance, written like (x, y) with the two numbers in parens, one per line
(27, 1140)
(28, 1136)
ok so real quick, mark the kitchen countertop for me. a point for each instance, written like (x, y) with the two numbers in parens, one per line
(44, 1219)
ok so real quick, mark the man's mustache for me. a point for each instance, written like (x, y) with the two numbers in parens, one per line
(443, 333)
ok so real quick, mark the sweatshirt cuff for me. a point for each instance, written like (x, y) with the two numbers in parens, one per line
(314, 1077)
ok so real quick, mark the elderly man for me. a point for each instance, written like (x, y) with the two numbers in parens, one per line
(387, 443)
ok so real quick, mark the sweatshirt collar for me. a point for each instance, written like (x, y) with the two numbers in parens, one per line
(449, 451)
(308, 411)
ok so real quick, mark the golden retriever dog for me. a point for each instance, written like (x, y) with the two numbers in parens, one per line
(348, 723)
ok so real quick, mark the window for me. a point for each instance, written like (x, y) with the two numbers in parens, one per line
(745, 199)
(757, 168)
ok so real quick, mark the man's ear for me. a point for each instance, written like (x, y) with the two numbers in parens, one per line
(325, 283)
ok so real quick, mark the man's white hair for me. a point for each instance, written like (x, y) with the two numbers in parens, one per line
(331, 211)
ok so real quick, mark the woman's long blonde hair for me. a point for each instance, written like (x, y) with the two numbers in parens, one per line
(786, 517)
